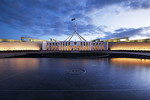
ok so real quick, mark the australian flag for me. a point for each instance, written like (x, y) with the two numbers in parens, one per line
(73, 19)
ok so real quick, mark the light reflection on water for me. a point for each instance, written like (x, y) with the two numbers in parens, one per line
(130, 62)
(51, 73)
(19, 63)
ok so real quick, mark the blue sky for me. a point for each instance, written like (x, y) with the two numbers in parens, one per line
(104, 19)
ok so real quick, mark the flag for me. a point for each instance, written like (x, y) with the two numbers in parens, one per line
(73, 19)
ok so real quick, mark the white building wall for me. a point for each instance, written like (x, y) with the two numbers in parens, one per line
(44, 46)
(88, 45)
(105, 45)
(8, 46)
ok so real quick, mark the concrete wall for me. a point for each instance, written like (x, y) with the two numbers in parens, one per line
(44, 45)
(20, 46)
(9, 40)
(129, 46)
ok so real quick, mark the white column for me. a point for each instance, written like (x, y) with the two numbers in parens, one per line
(62, 46)
(54, 46)
(89, 45)
(57, 45)
(82, 45)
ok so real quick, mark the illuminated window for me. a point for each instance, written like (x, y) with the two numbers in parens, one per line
(122, 39)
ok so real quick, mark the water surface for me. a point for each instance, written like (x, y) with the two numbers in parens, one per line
(48, 78)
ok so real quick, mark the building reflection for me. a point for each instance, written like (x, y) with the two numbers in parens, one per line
(130, 62)
(76, 62)
(20, 63)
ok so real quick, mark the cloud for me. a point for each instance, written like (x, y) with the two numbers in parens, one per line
(53, 17)
(138, 4)
(91, 5)
(129, 32)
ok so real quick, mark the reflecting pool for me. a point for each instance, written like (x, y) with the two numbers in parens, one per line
(48, 78)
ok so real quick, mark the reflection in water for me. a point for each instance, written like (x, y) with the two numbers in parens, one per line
(19, 64)
(75, 62)
(130, 62)
(82, 62)
(49, 73)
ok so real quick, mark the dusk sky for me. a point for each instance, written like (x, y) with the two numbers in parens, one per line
(45, 19)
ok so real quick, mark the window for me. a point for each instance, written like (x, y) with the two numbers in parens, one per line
(26, 39)
(75, 43)
(86, 43)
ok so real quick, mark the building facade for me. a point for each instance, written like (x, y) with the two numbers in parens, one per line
(74, 45)
(53, 45)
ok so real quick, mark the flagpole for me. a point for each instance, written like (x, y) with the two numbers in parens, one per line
(75, 26)
(75, 32)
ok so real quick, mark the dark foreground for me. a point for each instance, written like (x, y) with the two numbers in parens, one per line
(58, 79)
(74, 54)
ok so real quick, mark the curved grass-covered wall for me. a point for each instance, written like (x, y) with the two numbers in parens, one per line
(141, 46)
(9, 46)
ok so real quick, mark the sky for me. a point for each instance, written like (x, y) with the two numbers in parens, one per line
(95, 19)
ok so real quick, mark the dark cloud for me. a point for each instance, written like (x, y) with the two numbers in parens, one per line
(138, 4)
(98, 4)
(132, 4)
(53, 17)
(128, 32)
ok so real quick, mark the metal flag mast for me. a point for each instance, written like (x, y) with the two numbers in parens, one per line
(75, 32)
